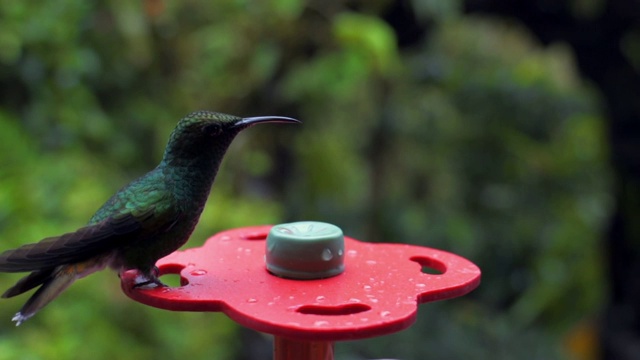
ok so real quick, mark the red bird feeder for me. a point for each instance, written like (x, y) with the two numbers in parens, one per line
(307, 284)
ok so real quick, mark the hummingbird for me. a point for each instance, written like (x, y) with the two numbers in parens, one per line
(144, 221)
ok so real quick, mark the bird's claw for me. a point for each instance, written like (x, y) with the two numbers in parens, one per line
(142, 282)
(150, 284)
(148, 281)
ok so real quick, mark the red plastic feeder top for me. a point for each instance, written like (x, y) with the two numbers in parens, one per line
(366, 289)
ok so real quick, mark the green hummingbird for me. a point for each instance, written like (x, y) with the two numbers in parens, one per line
(144, 221)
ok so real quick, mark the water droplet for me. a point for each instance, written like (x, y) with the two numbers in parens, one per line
(320, 298)
(198, 272)
(225, 238)
(385, 313)
(367, 288)
(354, 300)
(327, 254)
(421, 285)
(321, 323)
(371, 262)
(340, 252)
(252, 300)
(352, 253)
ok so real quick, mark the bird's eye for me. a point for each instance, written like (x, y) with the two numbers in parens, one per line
(212, 129)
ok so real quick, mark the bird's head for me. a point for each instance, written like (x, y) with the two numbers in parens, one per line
(202, 133)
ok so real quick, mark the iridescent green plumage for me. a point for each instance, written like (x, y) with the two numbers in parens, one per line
(147, 219)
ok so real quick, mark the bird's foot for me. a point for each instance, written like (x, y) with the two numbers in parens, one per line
(148, 281)
(144, 282)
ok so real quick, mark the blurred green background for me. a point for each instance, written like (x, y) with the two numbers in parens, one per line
(423, 123)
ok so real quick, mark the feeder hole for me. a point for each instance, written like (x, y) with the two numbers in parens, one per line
(255, 236)
(430, 266)
(170, 275)
(347, 309)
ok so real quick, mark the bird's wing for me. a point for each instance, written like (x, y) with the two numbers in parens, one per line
(88, 241)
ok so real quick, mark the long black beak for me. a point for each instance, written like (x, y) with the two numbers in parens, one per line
(265, 119)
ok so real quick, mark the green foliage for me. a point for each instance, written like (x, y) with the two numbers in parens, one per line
(478, 141)
(369, 39)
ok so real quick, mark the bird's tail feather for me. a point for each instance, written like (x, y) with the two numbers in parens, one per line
(53, 283)
(28, 282)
